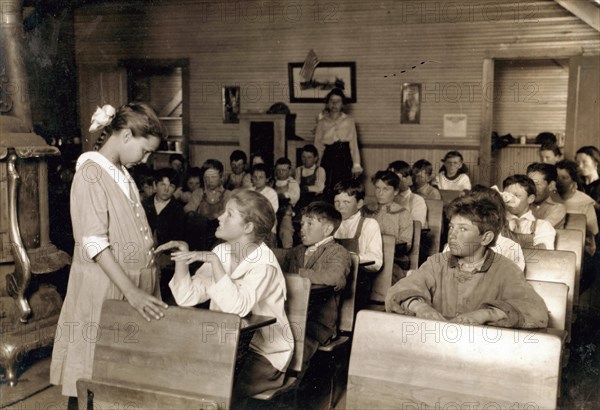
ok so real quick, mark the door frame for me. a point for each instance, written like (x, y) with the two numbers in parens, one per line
(487, 167)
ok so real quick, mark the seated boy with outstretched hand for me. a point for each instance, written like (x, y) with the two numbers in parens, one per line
(470, 284)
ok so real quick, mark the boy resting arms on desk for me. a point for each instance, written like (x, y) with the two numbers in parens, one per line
(470, 284)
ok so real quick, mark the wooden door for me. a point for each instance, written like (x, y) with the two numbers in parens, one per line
(583, 109)
(98, 85)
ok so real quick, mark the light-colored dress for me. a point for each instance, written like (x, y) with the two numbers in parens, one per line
(106, 212)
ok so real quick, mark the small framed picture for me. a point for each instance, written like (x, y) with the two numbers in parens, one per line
(231, 105)
(410, 109)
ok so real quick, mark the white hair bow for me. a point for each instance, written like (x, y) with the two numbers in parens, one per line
(102, 117)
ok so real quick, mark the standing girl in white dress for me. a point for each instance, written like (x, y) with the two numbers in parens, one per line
(113, 256)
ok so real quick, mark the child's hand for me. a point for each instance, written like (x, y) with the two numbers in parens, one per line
(476, 317)
(147, 305)
(426, 311)
(179, 245)
(195, 256)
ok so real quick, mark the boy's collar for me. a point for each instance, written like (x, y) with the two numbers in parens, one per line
(489, 258)
(321, 242)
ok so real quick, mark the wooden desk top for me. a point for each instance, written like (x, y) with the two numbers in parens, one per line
(252, 322)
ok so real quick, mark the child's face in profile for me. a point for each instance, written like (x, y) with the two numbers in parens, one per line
(542, 187)
(405, 182)
(259, 179)
(313, 230)
(452, 165)
(420, 177)
(177, 165)
(193, 183)
(237, 167)
(148, 189)
(384, 193)
(347, 205)
(282, 172)
(164, 189)
(231, 223)
(547, 157)
(563, 181)
(308, 159)
(522, 201)
(464, 238)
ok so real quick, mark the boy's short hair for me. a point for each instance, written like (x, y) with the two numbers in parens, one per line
(213, 164)
(400, 167)
(551, 147)
(237, 155)
(570, 167)
(310, 148)
(283, 161)
(168, 173)
(545, 138)
(547, 170)
(479, 191)
(323, 211)
(422, 165)
(350, 187)
(147, 179)
(260, 168)
(388, 177)
(482, 212)
(194, 172)
(526, 183)
(176, 157)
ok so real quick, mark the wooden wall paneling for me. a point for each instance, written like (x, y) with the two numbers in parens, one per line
(245, 44)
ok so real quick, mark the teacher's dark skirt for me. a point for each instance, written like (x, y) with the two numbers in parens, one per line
(337, 163)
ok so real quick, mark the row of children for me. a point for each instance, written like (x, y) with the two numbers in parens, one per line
(242, 275)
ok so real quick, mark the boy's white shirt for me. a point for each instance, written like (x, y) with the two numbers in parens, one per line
(370, 244)
(544, 231)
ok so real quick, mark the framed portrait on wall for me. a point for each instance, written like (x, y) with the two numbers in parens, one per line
(410, 108)
(231, 105)
(326, 77)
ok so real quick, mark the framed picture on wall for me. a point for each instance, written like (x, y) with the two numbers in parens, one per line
(410, 108)
(231, 105)
(326, 77)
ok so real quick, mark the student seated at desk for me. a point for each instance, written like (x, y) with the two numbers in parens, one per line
(406, 198)
(503, 246)
(241, 276)
(470, 284)
(523, 227)
(393, 219)
(422, 175)
(324, 262)
(547, 204)
(357, 233)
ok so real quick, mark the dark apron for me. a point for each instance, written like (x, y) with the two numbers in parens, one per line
(337, 162)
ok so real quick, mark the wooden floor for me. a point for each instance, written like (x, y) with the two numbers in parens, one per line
(580, 388)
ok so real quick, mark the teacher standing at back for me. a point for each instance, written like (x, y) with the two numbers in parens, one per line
(335, 139)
